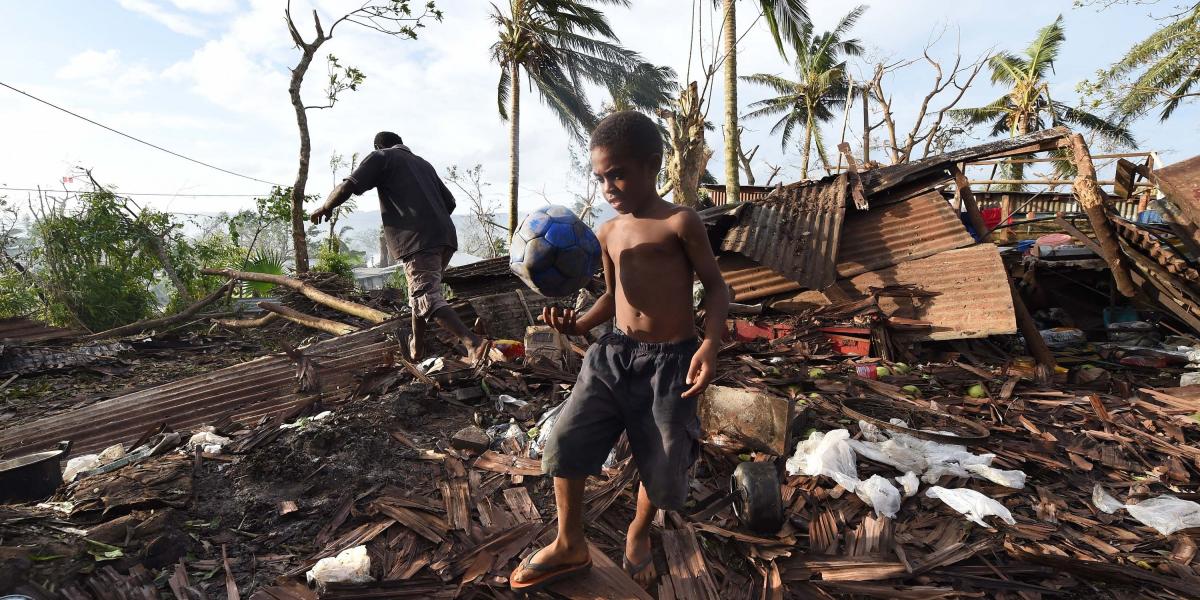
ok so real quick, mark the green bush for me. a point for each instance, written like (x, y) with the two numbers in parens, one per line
(18, 296)
(332, 261)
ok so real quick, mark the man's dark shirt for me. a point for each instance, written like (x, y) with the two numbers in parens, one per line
(413, 201)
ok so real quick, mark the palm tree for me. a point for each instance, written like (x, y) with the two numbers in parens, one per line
(1171, 59)
(647, 88)
(1027, 106)
(560, 45)
(820, 87)
(786, 19)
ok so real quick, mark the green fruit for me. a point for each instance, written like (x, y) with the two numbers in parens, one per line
(977, 391)
(816, 396)
(815, 373)
(912, 390)
(901, 369)
(883, 372)
(744, 457)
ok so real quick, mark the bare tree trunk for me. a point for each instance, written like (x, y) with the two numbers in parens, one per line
(164, 258)
(689, 152)
(808, 130)
(318, 323)
(733, 188)
(514, 147)
(299, 241)
(312, 293)
(1091, 198)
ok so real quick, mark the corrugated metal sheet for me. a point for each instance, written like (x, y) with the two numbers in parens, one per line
(975, 299)
(1047, 202)
(264, 386)
(1180, 182)
(796, 234)
(749, 193)
(20, 329)
(885, 178)
(750, 280)
(885, 235)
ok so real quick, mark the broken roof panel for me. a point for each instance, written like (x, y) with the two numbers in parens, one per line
(974, 298)
(265, 386)
(751, 280)
(795, 234)
(916, 172)
(1180, 182)
(20, 329)
(885, 235)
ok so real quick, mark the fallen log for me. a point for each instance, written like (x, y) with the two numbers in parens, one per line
(1091, 198)
(296, 316)
(312, 293)
(247, 323)
(183, 315)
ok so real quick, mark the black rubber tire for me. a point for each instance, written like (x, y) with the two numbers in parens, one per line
(758, 502)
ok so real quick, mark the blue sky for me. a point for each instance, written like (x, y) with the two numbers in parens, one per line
(208, 78)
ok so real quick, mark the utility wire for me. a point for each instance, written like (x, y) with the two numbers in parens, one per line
(140, 141)
(120, 193)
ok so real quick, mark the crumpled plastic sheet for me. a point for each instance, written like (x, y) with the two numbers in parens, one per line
(826, 454)
(1165, 514)
(1011, 479)
(910, 482)
(971, 504)
(880, 494)
(208, 442)
(352, 565)
(79, 464)
(929, 459)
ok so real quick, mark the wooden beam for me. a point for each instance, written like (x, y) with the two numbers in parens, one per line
(1033, 338)
(351, 308)
(968, 200)
(856, 187)
(1091, 198)
(298, 317)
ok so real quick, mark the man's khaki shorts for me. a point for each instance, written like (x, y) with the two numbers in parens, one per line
(424, 272)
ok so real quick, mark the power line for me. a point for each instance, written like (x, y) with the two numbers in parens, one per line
(140, 141)
(120, 193)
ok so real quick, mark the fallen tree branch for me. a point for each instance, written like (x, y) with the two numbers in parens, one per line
(312, 293)
(296, 316)
(247, 323)
(141, 326)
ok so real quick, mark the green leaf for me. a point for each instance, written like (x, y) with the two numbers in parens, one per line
(101, 551)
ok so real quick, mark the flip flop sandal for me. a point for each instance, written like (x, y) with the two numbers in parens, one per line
(550, 574)
(634, 569)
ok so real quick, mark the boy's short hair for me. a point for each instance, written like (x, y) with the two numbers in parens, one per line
(387, 139)
(628, 132)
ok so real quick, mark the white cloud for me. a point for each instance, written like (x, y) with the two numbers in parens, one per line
(211, 7)
(173, 21)
(106, 73)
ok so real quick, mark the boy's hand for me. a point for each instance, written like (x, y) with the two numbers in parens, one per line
(702, 369)
(321, 214)
(561, 319)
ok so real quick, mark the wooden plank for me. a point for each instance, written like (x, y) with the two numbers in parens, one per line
(690, 576)
(509, 465)
(456, 495)
(856, 187)
(606, 580)
(968, 199)
(521, 504)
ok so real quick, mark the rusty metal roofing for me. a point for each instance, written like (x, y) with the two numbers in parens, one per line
(796, 234)
(749, 193)
(885, 235)
(750, 280)
(492, 267)
(20, 329)
(933, 168)
(245, 392)
(1180, 182)
(974, 301)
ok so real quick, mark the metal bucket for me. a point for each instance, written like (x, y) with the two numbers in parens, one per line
(32, 477)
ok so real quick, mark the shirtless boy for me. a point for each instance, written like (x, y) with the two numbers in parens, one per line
(645, 377)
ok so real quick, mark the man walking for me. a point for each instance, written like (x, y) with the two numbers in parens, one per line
(415, 206)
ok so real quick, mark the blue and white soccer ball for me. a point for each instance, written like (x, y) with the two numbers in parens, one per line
(553, 252)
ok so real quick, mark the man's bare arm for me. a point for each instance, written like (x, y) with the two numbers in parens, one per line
(339, 195)
(604, 309)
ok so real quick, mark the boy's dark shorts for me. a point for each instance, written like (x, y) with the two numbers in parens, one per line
(635, 387)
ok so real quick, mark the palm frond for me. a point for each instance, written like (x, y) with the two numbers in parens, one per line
(1043, 51)
(1106, 129)
(787, 21)
(503, 92)
(775, 82)
(1007, 68)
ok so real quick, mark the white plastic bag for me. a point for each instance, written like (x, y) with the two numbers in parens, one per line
(973, 505)
(112, 453)
(826, 454)
(208, 442)
(1166, 514)
(349, 566)
(1012, 479)
(910, 483)
(1104, 501)
(79, 464)
(1187, 379)
(881, 495)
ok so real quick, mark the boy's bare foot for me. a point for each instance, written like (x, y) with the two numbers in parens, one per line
(639, 559)
(552, 563)
(415, 352)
